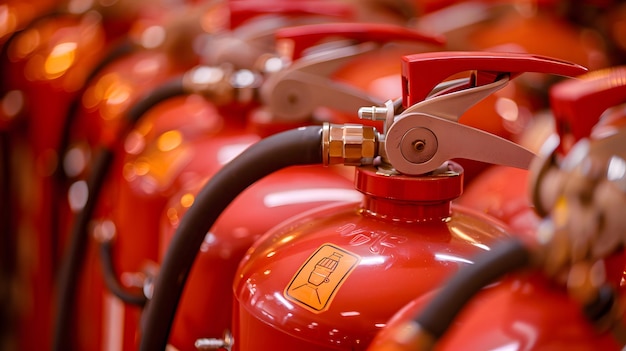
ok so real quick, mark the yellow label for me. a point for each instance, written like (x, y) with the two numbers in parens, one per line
(320, 277)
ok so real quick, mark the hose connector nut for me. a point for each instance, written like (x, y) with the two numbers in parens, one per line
(212, 82)
(349, 144)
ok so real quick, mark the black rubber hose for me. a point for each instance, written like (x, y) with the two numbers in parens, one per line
(73, 259)
(503, 258)
(121, 49)
(167, 90)
(110, 277)
(506, 257)
(300, 146)
(125, 47)
(71, 265)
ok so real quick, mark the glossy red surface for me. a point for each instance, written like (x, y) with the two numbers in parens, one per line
(242, 11)
(206, 305)
(100, 121)
(433, 188)
(522, 320)
(502, 192)
(578, 104)
(146, 173)
(114, 90)
(384, 263)
(525, 309)
(422, 72)
(521, 312)
(48, 62)
(182, 143)
(304, 37)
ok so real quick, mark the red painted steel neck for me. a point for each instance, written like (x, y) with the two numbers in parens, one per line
(401, 198)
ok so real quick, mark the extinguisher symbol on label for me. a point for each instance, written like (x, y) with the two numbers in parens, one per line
(320, 277)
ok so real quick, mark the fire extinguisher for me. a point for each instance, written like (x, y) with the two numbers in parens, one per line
(135, 256)
(576, 110)
(407, 203)
(569, 274)
(276, 198)
(96, 121)
(69, 275)
(155, 186)
(43, 62)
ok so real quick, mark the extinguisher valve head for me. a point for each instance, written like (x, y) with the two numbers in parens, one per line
(349, 144)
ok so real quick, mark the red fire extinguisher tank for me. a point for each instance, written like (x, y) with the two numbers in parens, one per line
(328, 279)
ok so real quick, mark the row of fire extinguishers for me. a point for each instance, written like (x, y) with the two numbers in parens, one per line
(173, 176)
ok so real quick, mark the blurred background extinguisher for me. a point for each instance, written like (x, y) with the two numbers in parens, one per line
(574, 260)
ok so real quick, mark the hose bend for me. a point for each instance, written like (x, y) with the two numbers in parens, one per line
(167, 90)
(110, 277)
(503, 258)
(428, 326)
(300, 146)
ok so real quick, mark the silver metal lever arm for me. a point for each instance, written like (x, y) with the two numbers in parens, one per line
(453, 105)
(419, 143)
(294, 93)
(296, 96)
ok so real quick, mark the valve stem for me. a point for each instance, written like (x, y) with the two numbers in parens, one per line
(379, 113)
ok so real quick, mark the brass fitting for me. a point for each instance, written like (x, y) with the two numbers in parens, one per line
(222, 84)
(211, 82)
(349, 144)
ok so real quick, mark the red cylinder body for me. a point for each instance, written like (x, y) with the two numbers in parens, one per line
(132, 204)
(524, 308)
(331, 278)
(521, 312)
(100, 121)
(502, 192)
(206, 304)
(46, 65)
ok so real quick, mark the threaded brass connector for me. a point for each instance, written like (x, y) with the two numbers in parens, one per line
(222, 85)
(349, 144)
(211, 82)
